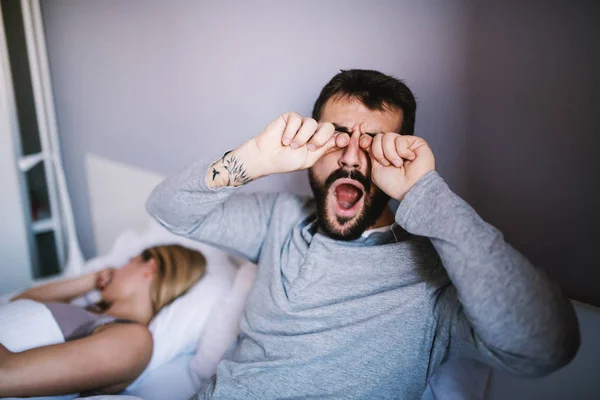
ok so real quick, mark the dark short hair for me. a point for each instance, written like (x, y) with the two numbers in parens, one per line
(377, 91)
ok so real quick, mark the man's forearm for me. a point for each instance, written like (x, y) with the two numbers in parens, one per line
(227, 171)
(182, 202)
(511, 305)
(186, 205)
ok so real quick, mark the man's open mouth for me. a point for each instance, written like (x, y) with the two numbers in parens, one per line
(348, 196)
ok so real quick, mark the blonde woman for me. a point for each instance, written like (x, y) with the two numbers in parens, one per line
(106, 348)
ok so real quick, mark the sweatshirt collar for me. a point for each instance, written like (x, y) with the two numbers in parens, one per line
(387, 234)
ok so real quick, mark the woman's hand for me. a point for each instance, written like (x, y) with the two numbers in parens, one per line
(61, 291)
(104, 278)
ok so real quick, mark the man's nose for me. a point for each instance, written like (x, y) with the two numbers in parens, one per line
(351, 157)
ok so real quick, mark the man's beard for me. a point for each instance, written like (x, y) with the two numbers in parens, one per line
(351, 227)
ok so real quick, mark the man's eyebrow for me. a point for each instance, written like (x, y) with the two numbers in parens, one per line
(343, 129)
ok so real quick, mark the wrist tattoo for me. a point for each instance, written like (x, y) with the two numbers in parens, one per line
(225, 155)
(234, 170)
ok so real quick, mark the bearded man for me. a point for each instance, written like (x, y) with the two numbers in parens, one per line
(353, 300)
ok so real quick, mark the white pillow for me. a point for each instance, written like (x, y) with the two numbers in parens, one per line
(178, 327)
(223, 325)
(172, 381)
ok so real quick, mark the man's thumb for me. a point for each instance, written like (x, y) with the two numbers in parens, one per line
(329, 146)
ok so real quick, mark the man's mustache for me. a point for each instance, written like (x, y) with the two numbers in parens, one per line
(350, 174)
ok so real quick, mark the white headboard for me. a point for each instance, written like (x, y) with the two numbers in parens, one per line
(117, 194)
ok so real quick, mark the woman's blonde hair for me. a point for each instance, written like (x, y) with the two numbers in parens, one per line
(177, 269)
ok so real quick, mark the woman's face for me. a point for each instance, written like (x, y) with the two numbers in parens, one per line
(129, 280)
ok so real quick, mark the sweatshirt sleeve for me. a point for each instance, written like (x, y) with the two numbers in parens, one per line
(498, 307)
(236, 222)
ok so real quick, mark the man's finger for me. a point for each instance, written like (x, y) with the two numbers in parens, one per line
(293, 121)
(342, 140)
(331, 145)
(323, 134)
(402, 146)
(306, 131)
(389, 149)
(328, 147)
(365, 141)
(377, 150)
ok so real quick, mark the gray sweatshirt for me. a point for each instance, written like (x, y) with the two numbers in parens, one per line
(375, 317)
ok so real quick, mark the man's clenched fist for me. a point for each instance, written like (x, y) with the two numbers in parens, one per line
(292, 143)
(397, 161)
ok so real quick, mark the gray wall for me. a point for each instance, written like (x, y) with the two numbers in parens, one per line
(506, 96)
(160, 84)
(533, 132)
